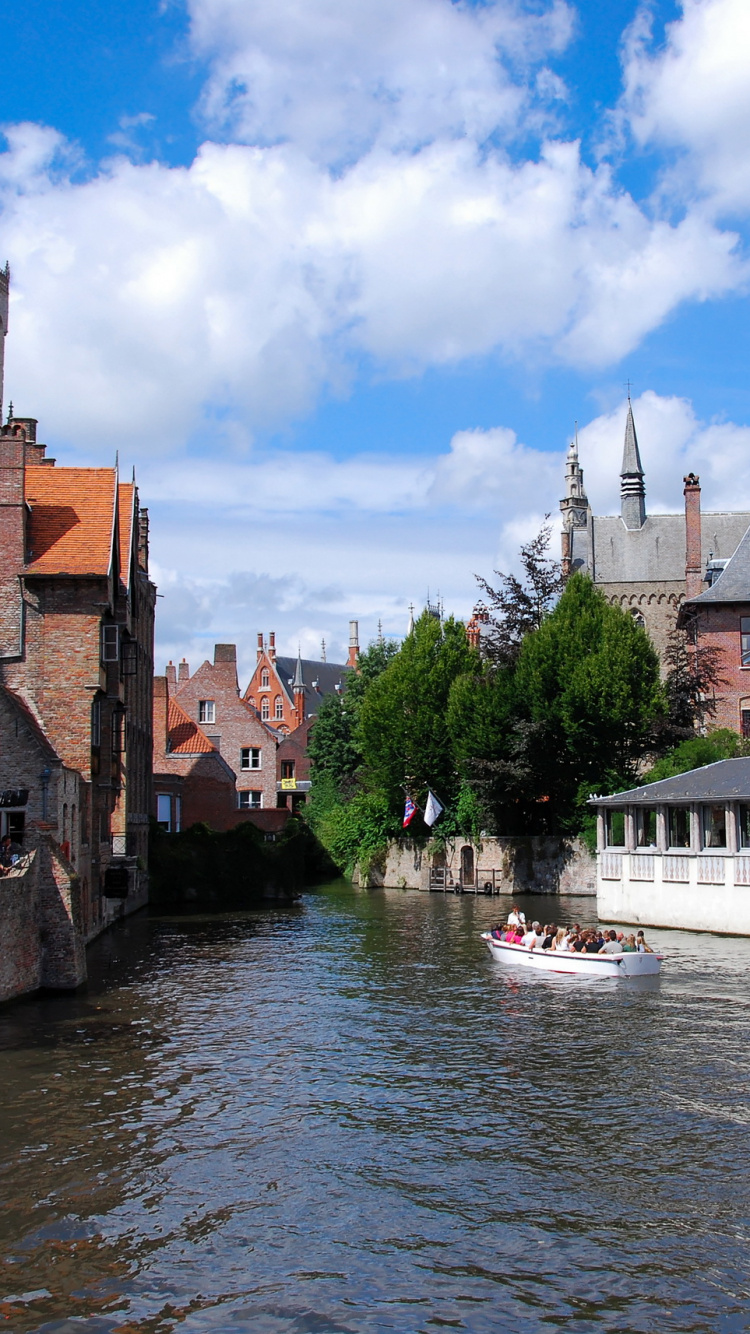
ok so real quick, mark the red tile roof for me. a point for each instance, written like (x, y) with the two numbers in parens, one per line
(185, 737)
(70, 525)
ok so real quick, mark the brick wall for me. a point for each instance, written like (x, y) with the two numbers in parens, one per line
(719, 626)
(236, 726)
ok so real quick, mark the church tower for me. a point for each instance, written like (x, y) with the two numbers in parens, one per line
(574, 506)
(4, 290)
(632, 486)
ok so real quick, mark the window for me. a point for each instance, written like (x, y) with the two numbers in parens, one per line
(250, 757)
(745, 722)
(250, 801)
(714, 827)
(96, 722)
(645, 828)
(164, 811)
(744, 826)
(110, 643)
(206, 711)
(615, 823)
(118, 731)
(638, 617)
(287, 769)
(278, 708)
(679, 827)
(745, 641)
(265, 679)
(129, 657)
(265, 710)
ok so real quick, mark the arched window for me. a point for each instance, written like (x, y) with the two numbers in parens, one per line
(638, 617)
(279, 708)
(265, 679)
(265, 710)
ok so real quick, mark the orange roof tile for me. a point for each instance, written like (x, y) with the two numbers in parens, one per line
(126, 493)
(185, 737)
(70, 525)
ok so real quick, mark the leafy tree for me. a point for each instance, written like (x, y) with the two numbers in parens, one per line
(694, 671)
(403, 726)
(587, 684)
(722, 744)
(333, 747)
(518, 606)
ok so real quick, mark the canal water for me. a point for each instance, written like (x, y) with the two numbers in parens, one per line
(344, 1116)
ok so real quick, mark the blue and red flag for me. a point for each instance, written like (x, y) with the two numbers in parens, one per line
(410, 811)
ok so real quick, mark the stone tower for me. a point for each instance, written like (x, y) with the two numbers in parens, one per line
(574, 505)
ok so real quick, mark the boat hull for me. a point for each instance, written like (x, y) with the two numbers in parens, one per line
(561, 961)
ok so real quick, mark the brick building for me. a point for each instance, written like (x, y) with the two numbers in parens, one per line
(641, 561)
(719, 616)
(76, 661)
(287, 691)
(193, 784)
(211, 699)
(293, 780)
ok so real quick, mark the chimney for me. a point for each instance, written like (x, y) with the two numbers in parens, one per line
(183, 673)
(171, 676)
(12, 541)
(161, 715)
(225, 658)
(260, 645)
(143, 540)
(693, 557)
(353, 658)
(272, 646)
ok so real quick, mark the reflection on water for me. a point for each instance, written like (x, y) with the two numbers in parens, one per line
(344, 1116)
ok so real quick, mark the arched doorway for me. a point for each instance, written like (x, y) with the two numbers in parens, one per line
(467, 865)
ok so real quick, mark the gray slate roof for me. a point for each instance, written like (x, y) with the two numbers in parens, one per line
(656, 552)
(733, 584)
(327, 674)
(726, 780)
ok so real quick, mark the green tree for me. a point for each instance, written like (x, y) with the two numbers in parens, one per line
(403, 726)
(518, 606)
(587, 686)
(693, 753)
(333, 747)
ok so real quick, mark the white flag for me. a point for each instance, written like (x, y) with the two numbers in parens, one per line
(432, 810)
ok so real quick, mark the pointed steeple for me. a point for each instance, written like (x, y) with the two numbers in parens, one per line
(298, 683)
(410, 626)
(575, 505)
(632, 488)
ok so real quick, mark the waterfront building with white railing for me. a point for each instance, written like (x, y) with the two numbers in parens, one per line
(677, 852)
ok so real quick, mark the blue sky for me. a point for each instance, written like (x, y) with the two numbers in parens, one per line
(339, 279)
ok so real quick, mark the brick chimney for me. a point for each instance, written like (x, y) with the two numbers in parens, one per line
(260, 645)
(353, 658)
(225, 661)
(272, 646)
(12, 541)
(693, 557)
(183, 673)
(171, 676)
(161, 714)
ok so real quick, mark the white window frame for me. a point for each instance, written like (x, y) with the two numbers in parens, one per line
(254, 756)
(206, 711)
(245, 800)
(265, 679)
(265, 709)
(278, 709)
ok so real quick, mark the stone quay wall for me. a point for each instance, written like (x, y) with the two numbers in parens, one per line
(41, 925)
(533, 865)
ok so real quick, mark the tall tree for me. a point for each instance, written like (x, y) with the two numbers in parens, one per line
(333, 747)
(518, 606)
(403, 726)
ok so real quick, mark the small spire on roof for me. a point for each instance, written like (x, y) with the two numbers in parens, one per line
(380, 632)
(298, 682)
(410, 626)
(632, 487)
(322, 650)
(10, 410)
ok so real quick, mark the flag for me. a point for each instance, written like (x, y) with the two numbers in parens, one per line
(433, 809)
(410, 811)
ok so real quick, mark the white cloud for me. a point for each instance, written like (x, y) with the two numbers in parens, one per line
(693, 95)
(336, 78)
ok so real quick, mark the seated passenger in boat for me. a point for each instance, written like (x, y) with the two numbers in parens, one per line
(629, 946)
(593, 943)
(534, 938)
(611, 944)
(561, 940)
(641, 945)
(550, 933)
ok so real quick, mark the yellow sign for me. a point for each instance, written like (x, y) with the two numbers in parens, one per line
(289, 784)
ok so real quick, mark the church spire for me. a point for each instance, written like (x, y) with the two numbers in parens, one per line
(632, 488)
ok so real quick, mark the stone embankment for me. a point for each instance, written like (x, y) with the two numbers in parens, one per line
(41, 924)
(534, 865)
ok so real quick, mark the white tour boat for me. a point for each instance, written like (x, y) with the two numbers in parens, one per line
(564, 961)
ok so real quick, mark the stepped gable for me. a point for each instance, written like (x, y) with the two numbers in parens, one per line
(71, 521)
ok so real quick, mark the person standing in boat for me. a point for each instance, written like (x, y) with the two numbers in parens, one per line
(516, 917)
